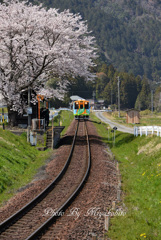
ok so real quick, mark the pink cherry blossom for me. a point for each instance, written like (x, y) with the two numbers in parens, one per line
(35, 42)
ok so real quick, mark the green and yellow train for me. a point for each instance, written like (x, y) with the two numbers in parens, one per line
(81, 109)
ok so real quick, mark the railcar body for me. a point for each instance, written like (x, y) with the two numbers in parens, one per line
(81, 109)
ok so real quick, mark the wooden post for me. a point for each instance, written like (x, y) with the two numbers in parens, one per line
(114, 205)
(119, 184)
(117, 166)
(94, 236)
(118, 194)
(107, 222)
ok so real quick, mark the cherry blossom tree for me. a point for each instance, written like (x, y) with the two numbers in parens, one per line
(35, 42)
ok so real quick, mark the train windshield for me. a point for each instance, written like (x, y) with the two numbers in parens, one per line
(81, 106)
(76, 105)
(86, 105)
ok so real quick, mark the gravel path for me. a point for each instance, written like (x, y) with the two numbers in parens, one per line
(86, 215)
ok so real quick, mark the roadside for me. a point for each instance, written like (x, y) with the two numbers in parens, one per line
(112, 124)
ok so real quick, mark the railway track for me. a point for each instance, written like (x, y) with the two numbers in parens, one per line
(34, 219)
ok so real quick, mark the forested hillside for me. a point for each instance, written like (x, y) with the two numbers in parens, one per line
(128, 33)
(128, 36)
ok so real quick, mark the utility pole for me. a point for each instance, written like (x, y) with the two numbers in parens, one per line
(29, 116)
(152, 102)
(111, 95)
(94, 94)
(118, 95)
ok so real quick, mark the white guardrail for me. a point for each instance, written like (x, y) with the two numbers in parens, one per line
(147, 130)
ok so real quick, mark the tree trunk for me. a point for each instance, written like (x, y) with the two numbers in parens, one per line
(12, 117)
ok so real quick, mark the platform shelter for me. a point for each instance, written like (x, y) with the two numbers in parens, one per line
(133, 116)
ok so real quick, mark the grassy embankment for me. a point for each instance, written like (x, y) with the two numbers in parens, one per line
(19, 161)
(140, 166)
(64, 118)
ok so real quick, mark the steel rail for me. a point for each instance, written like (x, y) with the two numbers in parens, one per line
(52, 219)
(19, 214)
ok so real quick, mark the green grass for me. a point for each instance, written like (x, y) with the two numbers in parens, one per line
(65, 118)
(150, 120)
(19, 161)
(140, 166)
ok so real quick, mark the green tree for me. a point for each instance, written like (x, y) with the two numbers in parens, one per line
(143, 100)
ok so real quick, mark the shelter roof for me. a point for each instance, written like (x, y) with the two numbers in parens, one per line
(75, 98)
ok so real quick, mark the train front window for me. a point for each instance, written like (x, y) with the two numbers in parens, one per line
(81, 106)
(76, 106)
(86, 105)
